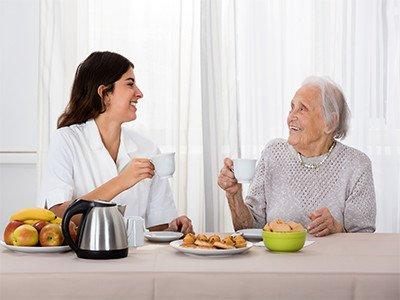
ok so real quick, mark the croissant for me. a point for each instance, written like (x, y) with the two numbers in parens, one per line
(239, 239)
(203, 244)
(202, 237)
(221, 245)
(214, 238)
(189, 239)
(228, 241)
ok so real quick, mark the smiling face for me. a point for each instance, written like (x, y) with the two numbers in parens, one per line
(121, 103)
(307, 128)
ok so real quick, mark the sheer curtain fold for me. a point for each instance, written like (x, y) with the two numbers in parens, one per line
(219, 104)
(57, 61)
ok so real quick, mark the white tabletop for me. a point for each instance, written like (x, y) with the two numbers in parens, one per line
(341, 266)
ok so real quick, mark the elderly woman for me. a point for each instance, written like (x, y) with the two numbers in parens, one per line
(311, 178)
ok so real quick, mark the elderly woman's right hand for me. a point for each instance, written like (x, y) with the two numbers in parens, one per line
(136, 170)
(227, 180)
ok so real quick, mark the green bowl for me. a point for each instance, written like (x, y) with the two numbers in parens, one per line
(284, 241)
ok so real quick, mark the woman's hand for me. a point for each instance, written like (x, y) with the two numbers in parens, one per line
(137, 170)
(227, 180)
(323, 223)
(181, 224)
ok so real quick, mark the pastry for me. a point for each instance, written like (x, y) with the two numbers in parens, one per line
(267, 227)
(295, 226)
(228, 241)
(213, 242)
(239, 239)
(202, 237)
(203, 244)
(221, 245)
(214, 238)
(189, 239)
(279, 225)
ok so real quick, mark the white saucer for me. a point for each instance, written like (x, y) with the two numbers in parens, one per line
(163, 236)
(251, 233)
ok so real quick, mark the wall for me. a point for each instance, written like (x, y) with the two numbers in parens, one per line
(19, 47)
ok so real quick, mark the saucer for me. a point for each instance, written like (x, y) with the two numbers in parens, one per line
(163, 236)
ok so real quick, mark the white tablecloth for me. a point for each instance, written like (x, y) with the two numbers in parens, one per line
(341, 266)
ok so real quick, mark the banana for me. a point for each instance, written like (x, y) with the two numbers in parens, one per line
(35, 213)
(57, 220)
(31, 222)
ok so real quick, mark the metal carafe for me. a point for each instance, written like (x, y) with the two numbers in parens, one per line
(101, 234)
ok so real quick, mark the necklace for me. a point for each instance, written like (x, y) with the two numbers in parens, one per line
(314, 166)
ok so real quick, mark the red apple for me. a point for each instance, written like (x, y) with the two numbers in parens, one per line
(39, 225)
(8, 231)
(51, 235)
(73, 231)
(25, 235)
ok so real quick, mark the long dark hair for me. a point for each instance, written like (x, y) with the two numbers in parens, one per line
(100, 68)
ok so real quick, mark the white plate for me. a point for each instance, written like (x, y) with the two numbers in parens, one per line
(162, 236)
(36, 249)
(209, 252)
(251, 233)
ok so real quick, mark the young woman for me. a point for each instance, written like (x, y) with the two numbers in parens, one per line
(92, 157)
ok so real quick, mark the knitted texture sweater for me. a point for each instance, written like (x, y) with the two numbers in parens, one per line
(284, 188)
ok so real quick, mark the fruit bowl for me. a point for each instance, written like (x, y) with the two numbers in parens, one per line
(284, 241)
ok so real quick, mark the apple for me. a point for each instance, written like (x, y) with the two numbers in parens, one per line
(73, 231)
(25, 235)
(8, 231)
(51, 235)
(39, 225)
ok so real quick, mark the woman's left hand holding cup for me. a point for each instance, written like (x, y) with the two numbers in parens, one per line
(136, 170)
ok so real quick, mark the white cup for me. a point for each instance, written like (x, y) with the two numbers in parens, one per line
(135, 231)
(164, 164)
(244, 169)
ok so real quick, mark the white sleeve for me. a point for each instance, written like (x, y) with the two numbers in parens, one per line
(57, 183)
(161, 207)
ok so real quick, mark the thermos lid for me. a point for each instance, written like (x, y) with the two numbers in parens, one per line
(100, 203)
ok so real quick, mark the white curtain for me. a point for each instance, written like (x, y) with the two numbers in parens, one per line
(218, 77)
(357, 44)
(161, 38)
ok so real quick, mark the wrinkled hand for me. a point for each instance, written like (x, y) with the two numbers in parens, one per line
(227, 180)
(181, 224)
(137, 170)
(323, 223)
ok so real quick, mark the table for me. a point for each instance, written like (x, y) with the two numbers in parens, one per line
(340, 266)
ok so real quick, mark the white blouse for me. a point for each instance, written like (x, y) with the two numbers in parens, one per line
(78, 163)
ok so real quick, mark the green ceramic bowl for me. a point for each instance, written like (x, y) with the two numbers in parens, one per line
(284, 241)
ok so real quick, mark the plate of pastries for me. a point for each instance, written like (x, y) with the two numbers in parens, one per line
(212, 244)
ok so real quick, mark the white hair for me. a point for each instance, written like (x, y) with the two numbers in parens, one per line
(333, 104)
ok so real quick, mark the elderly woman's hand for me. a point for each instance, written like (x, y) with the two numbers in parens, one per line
(227, 180)
(182, 224)
(323, 223)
